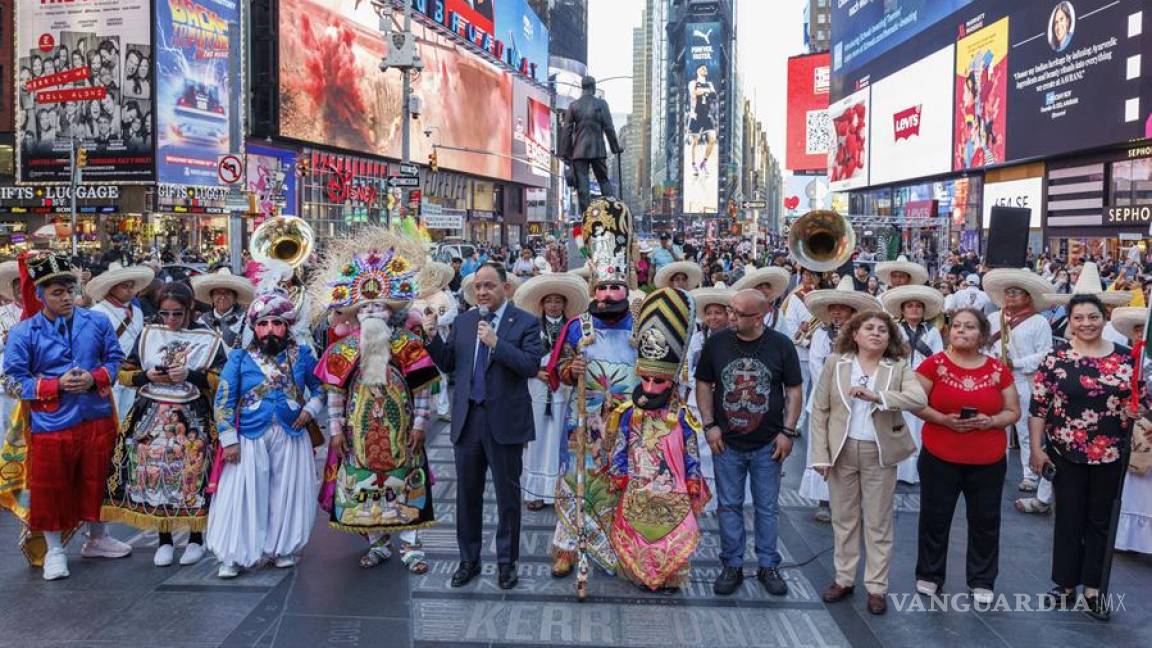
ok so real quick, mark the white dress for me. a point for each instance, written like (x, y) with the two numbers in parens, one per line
(812, 485)
(542, 456)
(1134, 533)
(906, 470)
(128, 329)
(695, 346)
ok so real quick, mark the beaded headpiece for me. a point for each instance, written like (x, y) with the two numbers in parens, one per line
(372, 277)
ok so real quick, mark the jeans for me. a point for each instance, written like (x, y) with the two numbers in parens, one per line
(733, 468)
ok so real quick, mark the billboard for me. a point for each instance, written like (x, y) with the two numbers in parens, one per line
(270, 174)
(84, 74)
(199, 89)
(981, 97)
(332, 91)
(1076, 79)
(1027, 193)
(7, 27)
(531, 135)
(524, 36)
(809, 131)
(702, 86)
(480, 14)
(848, 150)
(911, 134)
(803, 193)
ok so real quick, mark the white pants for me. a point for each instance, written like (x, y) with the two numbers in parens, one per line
(442, 401)
(1024, 389)
(266, 503)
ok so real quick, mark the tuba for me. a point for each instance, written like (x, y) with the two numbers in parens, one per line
(284, 238)
(821, 240)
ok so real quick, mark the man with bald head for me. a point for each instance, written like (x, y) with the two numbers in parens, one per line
(749, 390)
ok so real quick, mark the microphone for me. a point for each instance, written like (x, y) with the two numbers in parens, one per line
(485, 314)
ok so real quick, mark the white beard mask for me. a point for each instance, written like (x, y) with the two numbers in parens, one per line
(375, 348)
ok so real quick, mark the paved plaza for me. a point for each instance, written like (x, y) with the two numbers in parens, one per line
(330, 601)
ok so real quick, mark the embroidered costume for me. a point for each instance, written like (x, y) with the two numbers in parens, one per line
(265, 503)
(127, 319)
(656, 463)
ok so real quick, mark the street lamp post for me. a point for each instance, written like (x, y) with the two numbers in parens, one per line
(402, 55)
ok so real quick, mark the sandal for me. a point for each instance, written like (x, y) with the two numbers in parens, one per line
(412, 555)
(536, 505)
(1032, 505)
(377, 554)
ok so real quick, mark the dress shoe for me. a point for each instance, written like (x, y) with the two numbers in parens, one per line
(877, 604)
(508, 577)
(837, 592)
(465, 573)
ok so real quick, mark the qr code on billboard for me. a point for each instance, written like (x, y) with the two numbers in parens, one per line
(817, 132)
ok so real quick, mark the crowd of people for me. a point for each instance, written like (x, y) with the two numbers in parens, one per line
(637, 393)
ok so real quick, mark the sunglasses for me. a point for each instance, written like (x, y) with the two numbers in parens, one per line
(167, 314)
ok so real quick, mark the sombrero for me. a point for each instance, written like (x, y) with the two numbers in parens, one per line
(775, 276)
(1001, 279)
(1088, 283)
(895, 298)
(692, 270)
(570, 287)
(1125, 319)
(434, 277)
(9, 272)
(98, 287)
(204, 284)
(469, 292)
(818, 301)
(918, 272)
(706, 297)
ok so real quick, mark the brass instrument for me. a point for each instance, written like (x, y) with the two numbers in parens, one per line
(284, 238)
(1005, 339)
(821, 240)
(803, 338)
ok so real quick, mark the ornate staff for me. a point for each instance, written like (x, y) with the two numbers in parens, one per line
(581, 472)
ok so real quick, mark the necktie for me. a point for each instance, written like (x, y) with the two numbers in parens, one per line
(478, 391)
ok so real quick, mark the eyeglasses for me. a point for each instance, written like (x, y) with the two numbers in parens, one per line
(167, 314)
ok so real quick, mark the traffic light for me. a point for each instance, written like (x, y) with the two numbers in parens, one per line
(433, 163)
(81, 158)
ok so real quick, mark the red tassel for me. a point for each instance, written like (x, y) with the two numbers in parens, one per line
(32, 303)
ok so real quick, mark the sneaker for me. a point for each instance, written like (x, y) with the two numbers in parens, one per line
(105, 547)
(227, 571)
(927, 588)
(164, 555)
(770, 578)
(55, 565)
(1027, 485)
(193, 553)
(1032, 505)
(284, 562)
(982, 596)
(728, 581)
(823, 514)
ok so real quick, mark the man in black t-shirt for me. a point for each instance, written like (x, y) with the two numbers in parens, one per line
(748, 389)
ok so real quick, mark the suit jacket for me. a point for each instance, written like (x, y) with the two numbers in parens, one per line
(898, 389)
(511, 363)
(593, 122)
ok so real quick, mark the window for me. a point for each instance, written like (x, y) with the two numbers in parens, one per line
(1132, 182)
(820, 35)
(822, 18)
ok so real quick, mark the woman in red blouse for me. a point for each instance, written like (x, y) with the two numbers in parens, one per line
(1081, 415)
(971, 400)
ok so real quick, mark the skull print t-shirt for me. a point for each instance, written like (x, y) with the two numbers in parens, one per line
(748, 379)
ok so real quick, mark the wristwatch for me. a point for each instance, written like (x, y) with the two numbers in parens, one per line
(791, 433)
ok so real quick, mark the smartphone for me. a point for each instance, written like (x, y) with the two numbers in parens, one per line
(968, 412)
(161, 369)
(1049, 472)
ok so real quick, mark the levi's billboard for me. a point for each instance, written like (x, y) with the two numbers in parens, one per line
(85, 74)
(809, 130)
(912, 120)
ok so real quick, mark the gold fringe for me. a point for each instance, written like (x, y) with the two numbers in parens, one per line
(147, 522)
(380, 528)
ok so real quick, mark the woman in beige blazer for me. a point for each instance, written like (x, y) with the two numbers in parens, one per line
(858, 437)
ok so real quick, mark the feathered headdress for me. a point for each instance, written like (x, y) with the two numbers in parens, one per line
(339, 252)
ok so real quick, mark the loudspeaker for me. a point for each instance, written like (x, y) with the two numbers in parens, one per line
(1008, 237)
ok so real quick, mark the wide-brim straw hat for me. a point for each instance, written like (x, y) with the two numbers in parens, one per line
(706, 297)
(1001, 279)
(1125, 319)
(9, 272)
(434, 277)
(774, 276)
(693, 271)
(918, 272)
(1089, 283)
(573, 289)
(204, 284)
(98, 287)
(845, 293)
(466, 288)
(894, 299)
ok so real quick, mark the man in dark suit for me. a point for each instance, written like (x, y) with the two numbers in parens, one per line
(592, 122)
(492, 352)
